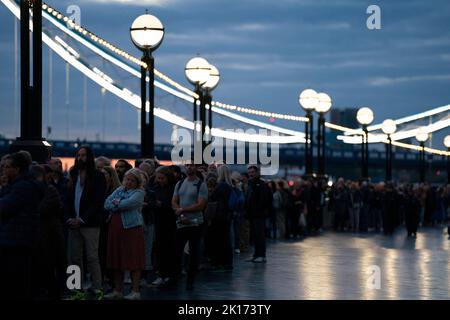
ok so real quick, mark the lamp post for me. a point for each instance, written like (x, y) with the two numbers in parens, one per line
(308, 100)
(147, 33)
(322, 107)
(31, 138)
(389, 127)
(422, 136)
(197, 72)
(447, 145)
(209, 86)
(365, 117)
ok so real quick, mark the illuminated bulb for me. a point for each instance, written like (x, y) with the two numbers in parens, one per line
(65, 19)
(50, 10)
(44, 6)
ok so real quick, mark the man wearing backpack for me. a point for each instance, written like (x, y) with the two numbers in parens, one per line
(258, 205)
(189, 200)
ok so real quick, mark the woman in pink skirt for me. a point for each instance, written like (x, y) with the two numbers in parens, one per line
(126, 247)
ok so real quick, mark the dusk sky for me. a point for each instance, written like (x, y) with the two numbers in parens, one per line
(267, 52)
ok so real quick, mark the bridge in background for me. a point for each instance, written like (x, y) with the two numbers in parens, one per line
(339, 162)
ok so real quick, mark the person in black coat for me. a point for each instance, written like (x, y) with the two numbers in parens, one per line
(58, 179)
(19, 228)
(390, 206)
(313, 202)
(85, 199)
(51, 252)
(341, 204)
(258, 206)
(364, 213)
(412, 210)
(219, 231)
(165, 227)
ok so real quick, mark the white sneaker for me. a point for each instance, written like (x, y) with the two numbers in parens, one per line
(133, 296)
(259, 260)
(115, 295)
(237, 251)
(159, 281)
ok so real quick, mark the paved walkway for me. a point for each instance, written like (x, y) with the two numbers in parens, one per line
(333, 266)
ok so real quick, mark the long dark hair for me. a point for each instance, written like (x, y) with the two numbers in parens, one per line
(90, 162)
(167, 171)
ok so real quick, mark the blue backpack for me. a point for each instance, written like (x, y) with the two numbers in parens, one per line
(236, 199)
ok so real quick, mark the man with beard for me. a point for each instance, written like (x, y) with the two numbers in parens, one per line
(86, 195)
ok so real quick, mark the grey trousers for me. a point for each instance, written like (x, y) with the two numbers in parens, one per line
(87, 238)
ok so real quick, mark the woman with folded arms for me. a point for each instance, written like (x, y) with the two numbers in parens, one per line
(126, 247)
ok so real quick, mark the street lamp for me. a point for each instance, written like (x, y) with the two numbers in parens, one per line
(322, 107)
(422, 136)
(209, 86)
(308, 100)
(147, 33)
(197, 71)
(389, 127)
(31, 139)
(364, 116)
(447, 145)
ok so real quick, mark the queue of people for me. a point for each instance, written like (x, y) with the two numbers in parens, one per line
(152, 224)
(149, 221)
(383, 207)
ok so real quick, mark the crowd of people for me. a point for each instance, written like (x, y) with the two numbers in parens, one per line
(152, 225)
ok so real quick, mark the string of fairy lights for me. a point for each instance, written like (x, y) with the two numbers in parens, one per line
(106, 44)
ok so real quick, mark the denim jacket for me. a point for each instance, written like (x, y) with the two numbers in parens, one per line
(129, 207)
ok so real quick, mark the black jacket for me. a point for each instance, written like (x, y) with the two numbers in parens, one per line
(19, 216)
(92, 199)
(221, 195)
(148, 210)
(164, 216)
(259, 200)
(61, 186)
